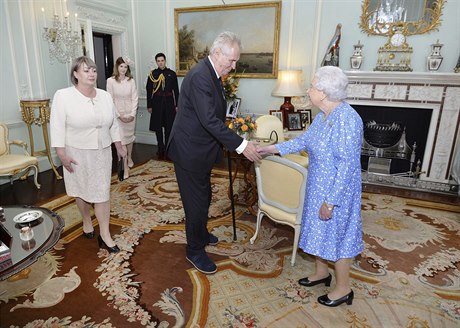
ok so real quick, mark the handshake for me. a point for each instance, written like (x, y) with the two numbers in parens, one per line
(254, 152)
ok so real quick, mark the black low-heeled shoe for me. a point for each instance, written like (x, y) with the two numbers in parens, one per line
(324, 300)
(102, 244)
(307, 283)
(89, 235)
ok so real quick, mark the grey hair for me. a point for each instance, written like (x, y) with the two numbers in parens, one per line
(76, 64)
(224, 42)
(333, 82)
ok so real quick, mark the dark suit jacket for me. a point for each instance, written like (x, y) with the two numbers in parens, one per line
(199, 130)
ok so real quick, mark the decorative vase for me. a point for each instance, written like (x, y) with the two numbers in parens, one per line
(435, 59)
(357, 59)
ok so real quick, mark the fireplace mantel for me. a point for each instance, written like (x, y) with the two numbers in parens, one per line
(438, 91)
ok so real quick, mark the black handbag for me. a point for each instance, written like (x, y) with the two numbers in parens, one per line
(121, 169)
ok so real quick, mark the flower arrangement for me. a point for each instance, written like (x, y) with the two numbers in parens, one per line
(243, 124)
(230, 83)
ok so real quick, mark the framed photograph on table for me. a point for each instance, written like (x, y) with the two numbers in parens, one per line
(276, 113)
(305, 117)
(294, 121)
(232, 107)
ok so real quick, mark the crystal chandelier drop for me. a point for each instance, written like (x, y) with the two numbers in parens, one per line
(64, 42)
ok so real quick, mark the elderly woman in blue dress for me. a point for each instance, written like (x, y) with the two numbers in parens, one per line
(331, 227)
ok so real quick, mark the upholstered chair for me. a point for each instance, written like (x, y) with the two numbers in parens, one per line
(281, 186)
(269, 131)
(15, 164)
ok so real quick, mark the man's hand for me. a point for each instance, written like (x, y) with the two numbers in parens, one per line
(149, 110)
(251, 152)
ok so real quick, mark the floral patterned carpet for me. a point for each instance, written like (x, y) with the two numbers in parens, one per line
(408, 275)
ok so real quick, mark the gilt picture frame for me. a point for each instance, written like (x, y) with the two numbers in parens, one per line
(257, 24)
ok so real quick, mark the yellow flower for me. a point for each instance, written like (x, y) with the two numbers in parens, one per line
(243, 124)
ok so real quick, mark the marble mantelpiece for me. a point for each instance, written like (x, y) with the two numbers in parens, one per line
(437, 91)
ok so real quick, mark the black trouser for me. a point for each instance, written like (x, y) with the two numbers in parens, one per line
(195, 192)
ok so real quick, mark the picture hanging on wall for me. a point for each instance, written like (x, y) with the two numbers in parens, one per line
(257, 24)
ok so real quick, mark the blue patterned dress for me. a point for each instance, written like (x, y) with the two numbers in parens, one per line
(334, 177)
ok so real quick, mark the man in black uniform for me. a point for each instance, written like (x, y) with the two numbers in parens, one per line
(162, 99)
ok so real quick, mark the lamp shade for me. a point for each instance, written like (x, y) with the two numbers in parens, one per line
(288, 84)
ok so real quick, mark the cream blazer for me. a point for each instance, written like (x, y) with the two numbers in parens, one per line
(79, 121)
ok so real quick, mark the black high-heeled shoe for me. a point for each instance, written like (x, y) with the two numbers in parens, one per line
(89, 235)
(324, 300)
(307, 283)
(102, 244)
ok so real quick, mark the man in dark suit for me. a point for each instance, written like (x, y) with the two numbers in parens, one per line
(196, 141)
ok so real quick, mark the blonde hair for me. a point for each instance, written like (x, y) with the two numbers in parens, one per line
(76, 64)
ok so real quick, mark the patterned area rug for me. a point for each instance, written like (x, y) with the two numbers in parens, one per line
(408, 275)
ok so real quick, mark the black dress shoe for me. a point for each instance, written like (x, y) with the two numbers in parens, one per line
(202, 263)
(307, 283)
(324, 300)
(213, 240)
(89, 235)
(102, 244)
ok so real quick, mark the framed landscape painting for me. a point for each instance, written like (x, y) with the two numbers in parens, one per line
(257, 24)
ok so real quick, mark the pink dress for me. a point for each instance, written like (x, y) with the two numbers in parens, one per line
(125, 98)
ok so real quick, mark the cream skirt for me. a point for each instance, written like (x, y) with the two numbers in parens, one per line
(90, 180)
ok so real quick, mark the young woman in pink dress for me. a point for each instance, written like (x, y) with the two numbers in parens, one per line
(122, 87)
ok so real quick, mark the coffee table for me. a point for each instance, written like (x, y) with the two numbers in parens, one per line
(47, 231)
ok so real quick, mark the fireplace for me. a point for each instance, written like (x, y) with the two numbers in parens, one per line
(396, 133)
(426, 107)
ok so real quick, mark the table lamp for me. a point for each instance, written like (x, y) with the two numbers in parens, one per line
(288, 85)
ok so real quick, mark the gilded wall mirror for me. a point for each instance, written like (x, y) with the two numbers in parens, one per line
(417, 16)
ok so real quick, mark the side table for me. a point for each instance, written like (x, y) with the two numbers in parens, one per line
(28, 108)
(47, 231)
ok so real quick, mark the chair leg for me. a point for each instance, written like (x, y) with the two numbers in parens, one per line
(296, 244)
(36, 176)
(259, 220)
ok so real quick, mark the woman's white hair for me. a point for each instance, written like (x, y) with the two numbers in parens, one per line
(225, 41)
(333, 82)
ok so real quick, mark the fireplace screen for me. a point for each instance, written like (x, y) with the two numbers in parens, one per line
(394, 133)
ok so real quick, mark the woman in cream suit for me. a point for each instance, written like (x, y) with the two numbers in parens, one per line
(83, 126)
(122, 87)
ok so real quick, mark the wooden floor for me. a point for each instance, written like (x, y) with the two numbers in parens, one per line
(25, 192)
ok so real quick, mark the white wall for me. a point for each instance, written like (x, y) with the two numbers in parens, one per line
(147, 27)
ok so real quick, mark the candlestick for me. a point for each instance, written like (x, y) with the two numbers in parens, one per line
(65, 8)
(76, 23)
(54, 7)
(43, 17)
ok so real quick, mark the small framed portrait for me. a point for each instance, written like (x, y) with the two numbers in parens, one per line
(232, 107)
(294, 121)
(305, 117)
(276, 113)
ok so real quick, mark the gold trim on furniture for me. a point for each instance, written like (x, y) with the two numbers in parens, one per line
(28, 108)
(427, 22)
(254, 20)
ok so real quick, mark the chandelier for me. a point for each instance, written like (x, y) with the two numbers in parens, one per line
(64, 42)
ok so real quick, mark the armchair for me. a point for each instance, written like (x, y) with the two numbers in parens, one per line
(281, 186)
(270, 128)
(14, 164)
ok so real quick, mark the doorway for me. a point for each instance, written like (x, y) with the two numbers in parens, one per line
(103, 57)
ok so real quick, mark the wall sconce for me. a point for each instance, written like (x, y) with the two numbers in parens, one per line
(288, 85)
(64, 41)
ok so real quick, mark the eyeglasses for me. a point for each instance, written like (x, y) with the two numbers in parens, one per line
(312, 87)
